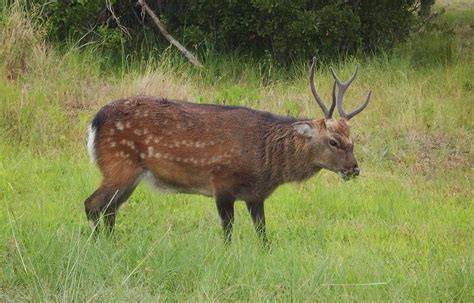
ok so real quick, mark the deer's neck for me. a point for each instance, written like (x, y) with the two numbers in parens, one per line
(287, 156)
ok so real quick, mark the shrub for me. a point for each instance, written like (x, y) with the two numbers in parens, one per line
(287, 29)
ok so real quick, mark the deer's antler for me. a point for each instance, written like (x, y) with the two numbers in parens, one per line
(342, 87)
(327, 113)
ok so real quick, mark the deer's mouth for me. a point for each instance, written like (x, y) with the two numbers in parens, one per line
(346, 175)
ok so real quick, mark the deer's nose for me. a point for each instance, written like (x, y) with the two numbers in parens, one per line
(356, 170)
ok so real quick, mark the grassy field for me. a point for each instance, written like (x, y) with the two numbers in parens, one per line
(403, 231)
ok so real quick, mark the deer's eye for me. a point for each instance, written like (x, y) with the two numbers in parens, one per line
(333, 142)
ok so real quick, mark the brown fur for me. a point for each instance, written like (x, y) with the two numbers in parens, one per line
(226, 152)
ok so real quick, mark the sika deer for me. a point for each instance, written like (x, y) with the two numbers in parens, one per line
(227, 152)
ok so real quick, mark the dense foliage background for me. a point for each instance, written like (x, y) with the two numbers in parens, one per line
(283, 29)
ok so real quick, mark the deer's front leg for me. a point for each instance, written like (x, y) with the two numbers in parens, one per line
(225, 207)
(256, 210)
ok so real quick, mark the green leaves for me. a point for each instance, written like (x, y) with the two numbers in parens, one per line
(287, 29)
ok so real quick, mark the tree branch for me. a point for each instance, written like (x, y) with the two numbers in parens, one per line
(168, 37)
(117, 20)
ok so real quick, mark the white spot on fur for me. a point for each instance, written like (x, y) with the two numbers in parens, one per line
(150, 151)
(137, 132)
(142, 155)
(91, 143)
(131, 145)
(113, 144)
(119, 125)
(127, 125)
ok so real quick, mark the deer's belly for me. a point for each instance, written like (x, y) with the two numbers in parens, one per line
(166, 186)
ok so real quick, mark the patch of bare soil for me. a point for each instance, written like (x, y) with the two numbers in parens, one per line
(437, 152)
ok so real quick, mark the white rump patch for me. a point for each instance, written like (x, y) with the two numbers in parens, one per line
(91, 143)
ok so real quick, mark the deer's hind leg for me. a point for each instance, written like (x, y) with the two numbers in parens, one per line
(96, 203)
(111, 194)
(111, 210)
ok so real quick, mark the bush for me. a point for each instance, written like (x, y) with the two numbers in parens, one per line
(291, 29)
(288, 29)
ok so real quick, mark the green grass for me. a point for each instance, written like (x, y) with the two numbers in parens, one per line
(403, 231)
(411, 235)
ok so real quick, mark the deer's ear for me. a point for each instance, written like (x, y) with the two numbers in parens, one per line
(305, 129)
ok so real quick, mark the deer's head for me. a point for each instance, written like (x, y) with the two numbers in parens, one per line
(329, 137)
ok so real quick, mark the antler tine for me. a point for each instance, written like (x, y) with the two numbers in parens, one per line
(342, 89)
(327, 114)
(333, 104)
(348, 82)
(361, 108)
